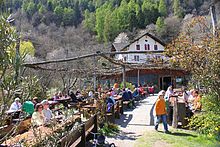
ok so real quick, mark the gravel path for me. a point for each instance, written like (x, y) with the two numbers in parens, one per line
(134, 123)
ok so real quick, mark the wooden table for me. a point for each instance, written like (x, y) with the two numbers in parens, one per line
(92, 107)
(9, 112)
(64, 101)
(118, 97)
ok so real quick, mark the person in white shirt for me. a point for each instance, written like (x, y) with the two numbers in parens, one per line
(169, 93)
(90, 94)
(16, 105)
(46, 111)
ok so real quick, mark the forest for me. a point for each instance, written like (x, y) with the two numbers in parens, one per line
(105, 18)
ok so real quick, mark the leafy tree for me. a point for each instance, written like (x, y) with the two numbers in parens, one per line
(31, 9)
(89, 21)
(199, 55)
(78, 16)
(59, 14)
(160, 26)
(26, 48)
(68, 16)
(42, 9)
(150, 12)
(50, 6)
(100, 20)
(132, 17)
(123, 15)
(177, 9)
(162, 8)
(111, 26)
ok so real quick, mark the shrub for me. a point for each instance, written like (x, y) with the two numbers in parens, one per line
(208, 122)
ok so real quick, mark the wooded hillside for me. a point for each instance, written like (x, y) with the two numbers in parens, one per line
(56, 23)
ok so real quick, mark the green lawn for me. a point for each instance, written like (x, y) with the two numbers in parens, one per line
(177, 138)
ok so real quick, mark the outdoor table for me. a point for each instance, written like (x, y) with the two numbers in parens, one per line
(53, 104)
(9, 112)
(117, 97)
(92, 107)
(64, 101)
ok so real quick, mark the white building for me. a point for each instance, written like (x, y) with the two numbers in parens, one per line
(146, 42)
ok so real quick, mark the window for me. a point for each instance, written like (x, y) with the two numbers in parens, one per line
(136, 58)
(138, 47)
(147, 46)
(155, 47)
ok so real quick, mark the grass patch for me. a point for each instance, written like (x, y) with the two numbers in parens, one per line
(177, 138)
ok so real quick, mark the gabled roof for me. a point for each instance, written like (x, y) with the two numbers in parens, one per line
(148, 34)
(119, 46)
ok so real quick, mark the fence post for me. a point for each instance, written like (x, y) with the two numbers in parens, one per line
(95, 130)
(175, 113)
(83, 137)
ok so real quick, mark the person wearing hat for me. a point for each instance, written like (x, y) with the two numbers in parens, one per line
(46, 111)
(160, 108)
(16, 105)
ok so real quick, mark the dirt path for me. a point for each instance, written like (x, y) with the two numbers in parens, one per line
(134, 123)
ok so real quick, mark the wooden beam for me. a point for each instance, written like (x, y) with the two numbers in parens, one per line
(88, 56)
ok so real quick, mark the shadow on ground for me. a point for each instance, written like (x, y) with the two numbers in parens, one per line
(124, 120)
(179, 134)
(127, 136)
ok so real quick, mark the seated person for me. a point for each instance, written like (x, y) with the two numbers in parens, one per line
(141, 90)
(125, 95)
(131, 97)
(112, 92)
(136, 93)
(16, 105)
(46, 111)
(38, 118)
(110, 102)
(73, 96)
(60, 95)
(28, 107)
(90, 94)
(197, 106)
(35, 101)
(55, 97)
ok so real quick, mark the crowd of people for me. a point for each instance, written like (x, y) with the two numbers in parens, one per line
(127, 94)
(41, 114)
(39, 111)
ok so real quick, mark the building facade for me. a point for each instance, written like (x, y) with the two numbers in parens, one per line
(146, 42)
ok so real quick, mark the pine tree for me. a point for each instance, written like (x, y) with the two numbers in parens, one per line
(160, 26)
(177, 9)
(162, 8)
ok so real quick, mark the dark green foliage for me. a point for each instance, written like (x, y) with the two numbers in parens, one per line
(160, 26)
(208, 122)
(109, 129)
(162, 8)
(123, 15)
